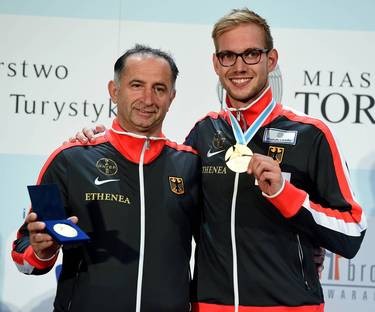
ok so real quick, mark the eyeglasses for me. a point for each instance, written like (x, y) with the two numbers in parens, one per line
(249, 56)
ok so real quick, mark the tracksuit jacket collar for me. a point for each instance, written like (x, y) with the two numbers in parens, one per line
(130, 144)
(249, 113)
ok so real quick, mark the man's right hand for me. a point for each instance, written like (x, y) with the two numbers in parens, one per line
(42, 243)
(87, 134)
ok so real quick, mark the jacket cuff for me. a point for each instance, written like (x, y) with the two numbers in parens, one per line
(38, 263)
(289, 201)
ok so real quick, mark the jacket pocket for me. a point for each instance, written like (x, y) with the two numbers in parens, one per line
(301, 262)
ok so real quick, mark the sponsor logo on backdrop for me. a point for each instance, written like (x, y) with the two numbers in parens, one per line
(26, 70)
(348, 280)
(338, 97)
(26, 104)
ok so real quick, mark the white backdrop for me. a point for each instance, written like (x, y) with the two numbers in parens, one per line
(53, 77)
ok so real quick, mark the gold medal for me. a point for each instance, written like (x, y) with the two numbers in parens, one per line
(237, 158)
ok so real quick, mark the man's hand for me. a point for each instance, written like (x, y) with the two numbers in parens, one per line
(42, 243)
(87, 134)
(267, 172)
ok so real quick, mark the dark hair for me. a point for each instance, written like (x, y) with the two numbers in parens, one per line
(140, 49)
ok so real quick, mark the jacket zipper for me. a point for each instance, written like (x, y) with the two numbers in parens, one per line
(300, 256)
(146, 146)
(74, 285)
(236, 296)
(238, 115)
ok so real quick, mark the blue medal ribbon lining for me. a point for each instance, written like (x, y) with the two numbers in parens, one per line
(245, 138)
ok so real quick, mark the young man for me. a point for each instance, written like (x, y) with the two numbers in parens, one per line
(134, 192)
(282, 187)
(274, 186)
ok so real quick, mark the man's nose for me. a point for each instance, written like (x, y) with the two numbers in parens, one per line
(148, 96)
(240, 65)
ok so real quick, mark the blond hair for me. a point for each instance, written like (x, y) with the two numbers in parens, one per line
(241, 16)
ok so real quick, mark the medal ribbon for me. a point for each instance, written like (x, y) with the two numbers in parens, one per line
(244, 138)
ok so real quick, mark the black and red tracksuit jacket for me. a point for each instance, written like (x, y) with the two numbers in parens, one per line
(256, 253)
(139, 200)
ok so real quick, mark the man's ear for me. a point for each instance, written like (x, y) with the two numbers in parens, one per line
(272, 56)
(173, 95)
(113, 90)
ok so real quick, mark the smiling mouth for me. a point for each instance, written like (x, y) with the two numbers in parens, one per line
(146, 111)
(240, 81)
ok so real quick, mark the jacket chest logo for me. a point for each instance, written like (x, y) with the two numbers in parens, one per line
(176, 184)
(276, 153)
(219, 140)
(107, 166)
